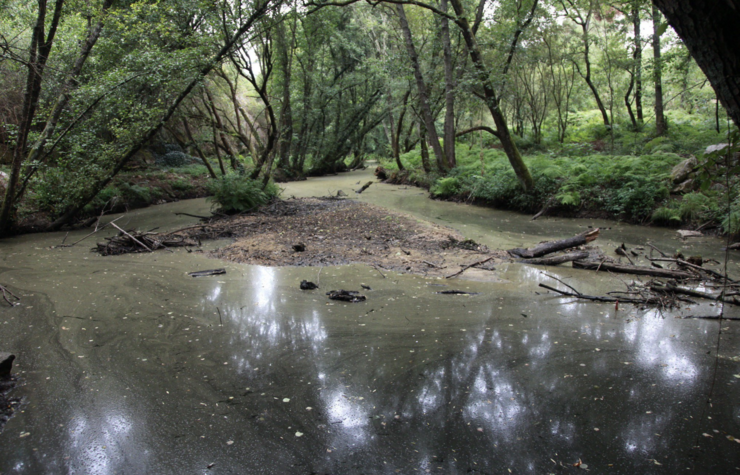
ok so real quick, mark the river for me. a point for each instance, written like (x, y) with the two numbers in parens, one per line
(128, 365)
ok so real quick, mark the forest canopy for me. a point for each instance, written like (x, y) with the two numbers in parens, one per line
(514, 102)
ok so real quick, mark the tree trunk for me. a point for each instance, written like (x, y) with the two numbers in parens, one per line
(449, 125)
(710, 32)
(197, 148)
(285, 53)
(424, 151)
(587, 76)
(38, 54)
(484, 77)
(637, 56)
(660, 124)
(426, 111)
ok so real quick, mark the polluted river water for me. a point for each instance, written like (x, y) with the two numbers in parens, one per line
(128, 365)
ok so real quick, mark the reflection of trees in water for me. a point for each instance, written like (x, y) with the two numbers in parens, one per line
(493, 395)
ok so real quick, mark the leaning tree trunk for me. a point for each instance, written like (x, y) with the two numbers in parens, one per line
(483, 75)
(426, 110)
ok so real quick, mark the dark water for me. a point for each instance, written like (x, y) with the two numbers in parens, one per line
(128, 365)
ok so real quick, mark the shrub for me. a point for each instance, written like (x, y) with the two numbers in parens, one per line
(446, 187)
(236, 194)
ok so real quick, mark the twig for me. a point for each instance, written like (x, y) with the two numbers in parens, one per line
(221, 320)
(432, 264)
(65, 237)
(553, 277)
(469, 266)
(193, 215)
(659, 251)
(6, 291)
(133, 238)
(598, 298)
(381, 274)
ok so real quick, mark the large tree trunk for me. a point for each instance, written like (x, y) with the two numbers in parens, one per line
(710, 31)
(426, 110)
(449, 125)
(38, 54)
(637, 25)
(483, 75)
(660, 124)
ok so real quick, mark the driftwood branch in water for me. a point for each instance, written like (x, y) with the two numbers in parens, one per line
(469, 266)
(554, 246)
(544, 208)
(668, 288)
(7, 291)
(682, 262)
(629, 269)
(364, 187)
(555, 260)
(596, 298)
(130, 236)
(659, 251)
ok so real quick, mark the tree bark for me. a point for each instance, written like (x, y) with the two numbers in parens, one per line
(637, 56)
(660, 124)
(426, 111)
(38, 54)
(450, 86)
(554, 246)
(197, 148)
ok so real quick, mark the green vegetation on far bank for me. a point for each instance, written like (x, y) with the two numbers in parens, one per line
(573, 179)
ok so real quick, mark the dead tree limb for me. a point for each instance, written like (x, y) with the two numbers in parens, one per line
(628, 269)
(601, 298)
(132, 238)
(684, 263)
(554, 246)
(555, 260)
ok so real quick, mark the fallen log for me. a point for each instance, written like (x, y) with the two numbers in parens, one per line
(553, 246)
(630, 269)
(555, 260)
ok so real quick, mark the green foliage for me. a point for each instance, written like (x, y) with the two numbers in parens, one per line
(181, 185)
(235, 194)
(445, 187)
(666, 215)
